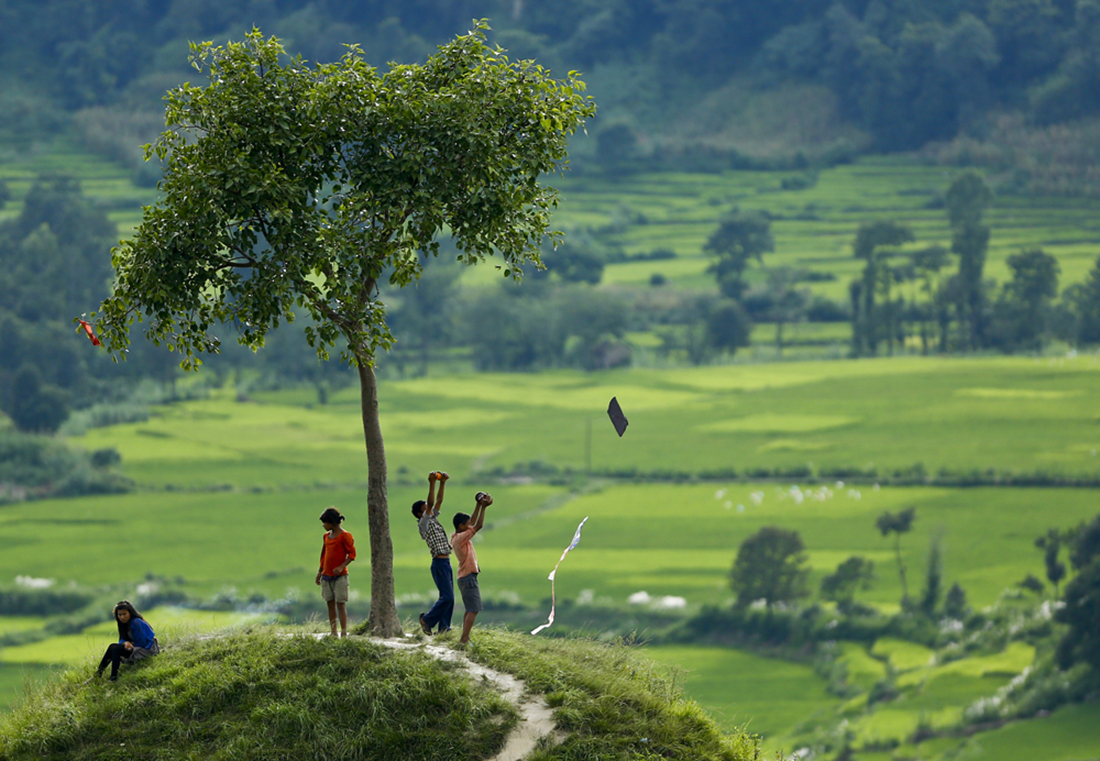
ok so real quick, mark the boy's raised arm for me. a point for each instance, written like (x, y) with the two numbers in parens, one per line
(483, 501)
(442, 478)
(430, 502)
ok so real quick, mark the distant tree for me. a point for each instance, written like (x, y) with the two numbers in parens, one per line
(616, 147)
(5, 194)
(853, 574)
(740, 237)
(897, 524)
(55, 253)
(514, 334)
(1051, 545)
(933, 576)
(1023, 311)
(1032, 584)
(927, 264)
(966, 200)
(1081, 611)
(873, 245)
(786, 303)
(954, 602)
(573, 263)
(296, 186)
(423, 320)
(1088, 308)
(770, 565)
(34, 406)
(1029, 37)
(728, 326)
(1084, 544)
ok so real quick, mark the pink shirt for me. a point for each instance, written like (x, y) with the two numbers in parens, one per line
(465, 552)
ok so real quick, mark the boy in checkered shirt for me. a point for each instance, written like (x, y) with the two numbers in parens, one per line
(427, 516)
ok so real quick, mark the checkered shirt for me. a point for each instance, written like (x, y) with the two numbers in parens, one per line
(432, 533)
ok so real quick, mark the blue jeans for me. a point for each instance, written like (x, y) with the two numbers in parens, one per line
(444, 607)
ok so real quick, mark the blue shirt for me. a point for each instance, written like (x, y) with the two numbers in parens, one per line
(141, 634)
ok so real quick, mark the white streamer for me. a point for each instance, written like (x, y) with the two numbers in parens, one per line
(553, 601)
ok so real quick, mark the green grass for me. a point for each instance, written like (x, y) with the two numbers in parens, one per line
(1015, 415)
(902, 655)
(280, 462)
(613, 703)
(276, 694)
(15, 679)
(664, 539)
(263, 695)
(765, 696)
(1068, 734)
(170, 624)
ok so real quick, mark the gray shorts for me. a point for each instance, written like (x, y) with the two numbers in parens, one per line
(471, 593)
(334, 589)
(141, 653)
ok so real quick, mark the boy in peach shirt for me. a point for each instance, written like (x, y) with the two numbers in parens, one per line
(465, 528)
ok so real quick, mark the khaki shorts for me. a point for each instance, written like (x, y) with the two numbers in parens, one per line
(471, 593)
(334, 589)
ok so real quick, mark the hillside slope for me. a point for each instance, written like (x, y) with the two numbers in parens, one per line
(267, 694)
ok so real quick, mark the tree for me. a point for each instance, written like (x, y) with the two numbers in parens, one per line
(1032, 584)
(954, 602)
(933, 576)
(841, 586)
(296, 186)
(1051, 545)
(740, 237)
(1088, 308)
(770, 565)
(967, 199)
(424, 318)
(927, 264)
(786, 303)
(728, 326)
(1023, 311)
(897, 524)
(36, 406)
(1082, 601)
(871, 239)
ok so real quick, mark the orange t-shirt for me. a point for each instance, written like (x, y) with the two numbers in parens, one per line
(335, 551)
(465, 552)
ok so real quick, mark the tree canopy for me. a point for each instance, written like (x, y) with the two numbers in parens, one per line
(771, 566)
(295, 187)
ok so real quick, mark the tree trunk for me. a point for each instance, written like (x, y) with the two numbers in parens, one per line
(383, 621)
(901, 571)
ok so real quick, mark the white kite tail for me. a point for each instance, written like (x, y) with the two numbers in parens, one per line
(553, 601)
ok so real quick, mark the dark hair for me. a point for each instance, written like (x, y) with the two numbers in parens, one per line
(124, 628)
(418, 507)
(332, 515)
(461, 518)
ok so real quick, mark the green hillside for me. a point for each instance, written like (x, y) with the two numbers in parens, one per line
(284, 694)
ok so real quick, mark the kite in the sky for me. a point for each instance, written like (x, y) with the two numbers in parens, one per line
(553, 602)
(618, 419)
(91, 333)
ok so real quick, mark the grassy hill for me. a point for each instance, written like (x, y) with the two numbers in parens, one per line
(280, 694)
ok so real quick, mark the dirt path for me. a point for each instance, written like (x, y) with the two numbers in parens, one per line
(536, 717)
